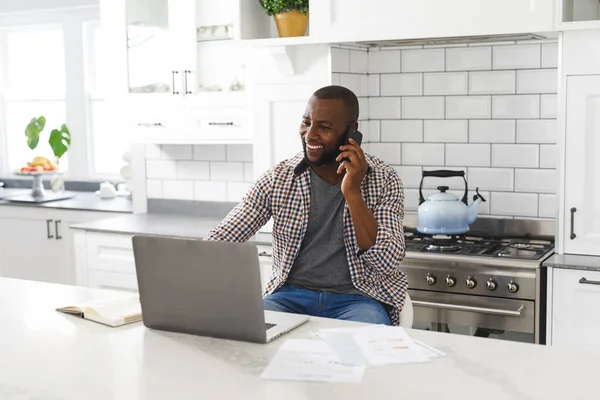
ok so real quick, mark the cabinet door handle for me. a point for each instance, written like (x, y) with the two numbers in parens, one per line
(50, 236)
(173, 76)
(264, 254)
(585, 281)
(149, 124)
(573, 235)
(186, 72)
(221, 123)
(58, 237)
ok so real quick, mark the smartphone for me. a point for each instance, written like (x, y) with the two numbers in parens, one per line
(355, 134)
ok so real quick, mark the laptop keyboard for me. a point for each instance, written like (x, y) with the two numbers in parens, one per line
(269, 326)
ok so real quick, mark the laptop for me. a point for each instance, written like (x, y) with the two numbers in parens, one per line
(206, 288)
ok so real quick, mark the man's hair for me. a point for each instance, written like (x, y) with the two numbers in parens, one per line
(340, 93)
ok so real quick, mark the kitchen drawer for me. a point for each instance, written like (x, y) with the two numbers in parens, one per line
(112, 280)
(575, 316)
(110, 252)
(218, 125)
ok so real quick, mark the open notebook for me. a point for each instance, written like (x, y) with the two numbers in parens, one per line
(111, 312)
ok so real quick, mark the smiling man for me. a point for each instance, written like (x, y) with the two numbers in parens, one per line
(337, 212)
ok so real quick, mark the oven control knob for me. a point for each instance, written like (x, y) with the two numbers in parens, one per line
(431, 279)
(491, 284)
(450, 281)
(513, 287)
(471, 282)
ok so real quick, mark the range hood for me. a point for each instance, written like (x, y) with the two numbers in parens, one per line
(453, 40)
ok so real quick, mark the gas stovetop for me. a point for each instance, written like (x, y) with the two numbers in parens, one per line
(524, 248)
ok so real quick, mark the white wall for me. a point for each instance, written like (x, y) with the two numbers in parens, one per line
(489, 110)
(8, 6)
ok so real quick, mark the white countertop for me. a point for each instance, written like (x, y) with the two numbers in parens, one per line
(49, 355)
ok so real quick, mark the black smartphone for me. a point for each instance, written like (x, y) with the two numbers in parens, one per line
(355, 134)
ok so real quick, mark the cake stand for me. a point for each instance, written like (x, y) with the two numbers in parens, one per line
(38, 193)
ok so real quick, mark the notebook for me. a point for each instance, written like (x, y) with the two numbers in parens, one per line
(111, 312)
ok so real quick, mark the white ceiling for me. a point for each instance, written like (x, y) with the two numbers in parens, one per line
(7, 6)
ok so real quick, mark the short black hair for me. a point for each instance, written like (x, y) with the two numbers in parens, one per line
(340, 93)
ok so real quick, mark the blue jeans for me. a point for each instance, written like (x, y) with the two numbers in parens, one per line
(352, 307)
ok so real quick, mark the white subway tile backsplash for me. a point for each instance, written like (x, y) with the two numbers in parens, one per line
(517, 56)
(492, 82)
(154, 189)
(340, 60)
(237, 190)
(387, 152)
(210, 191)
(384, 61)
(161, 169)
(335, 78)
(491, 131)
(500, 179)
(515, 155)
(537, 81)
(423, 60)
(178, 190)
(548, 206)
(239, 152)
(227, 171)
(352, 82)
(411, 199)
(537, 131)
(402, 131)
(401, 84)
(446, 83)
(548, 156)
(536, 180)
(374, 130)
(364, 85)
(194, 170)
(422, 154)
(410, 176)
(177, 152)
(517, 106)
(374, 85)
(359, 61)
(364, 105)
(465, 107)
(423, 107)
(153, 152)
(384, 107)
(210, 152)
(471, 155)
(249, 172)
(445, 131)
(514, 204)
(469, 58)
(549, 55)
(549, 106)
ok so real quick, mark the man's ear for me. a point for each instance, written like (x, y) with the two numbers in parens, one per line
(355, 124)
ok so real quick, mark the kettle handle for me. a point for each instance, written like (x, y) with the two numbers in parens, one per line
(443, 173)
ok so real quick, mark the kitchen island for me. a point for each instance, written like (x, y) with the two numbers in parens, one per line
(45, 354)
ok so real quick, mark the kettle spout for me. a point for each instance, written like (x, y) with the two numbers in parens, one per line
(473, 208)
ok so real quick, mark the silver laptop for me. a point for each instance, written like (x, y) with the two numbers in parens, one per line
(205, 288)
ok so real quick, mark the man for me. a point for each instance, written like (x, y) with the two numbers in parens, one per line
(337, 215)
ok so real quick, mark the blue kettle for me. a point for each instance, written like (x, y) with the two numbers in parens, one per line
(444, 213)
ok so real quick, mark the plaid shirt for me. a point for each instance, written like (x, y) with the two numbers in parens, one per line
(283, 193)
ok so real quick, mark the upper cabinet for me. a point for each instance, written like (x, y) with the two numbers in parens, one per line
(580, 14)
(359, 20)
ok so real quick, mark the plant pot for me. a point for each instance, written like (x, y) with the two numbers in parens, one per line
(291, 23)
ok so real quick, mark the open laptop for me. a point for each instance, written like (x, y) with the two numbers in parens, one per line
(206, 288)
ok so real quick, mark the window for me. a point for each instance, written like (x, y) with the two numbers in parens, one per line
(52, 65)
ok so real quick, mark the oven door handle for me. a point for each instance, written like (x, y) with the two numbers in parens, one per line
(456, 307)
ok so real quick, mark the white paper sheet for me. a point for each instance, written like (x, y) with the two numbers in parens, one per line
(310, 360)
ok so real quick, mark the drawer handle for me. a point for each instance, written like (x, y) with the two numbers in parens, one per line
(149, 124)
(48, 222)
(58, 237)
(221, 123)
(585, 281)
(186, 72)
(264, 254)
(173, 80)
(573, 235)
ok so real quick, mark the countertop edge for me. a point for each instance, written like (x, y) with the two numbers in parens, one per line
(573, 261)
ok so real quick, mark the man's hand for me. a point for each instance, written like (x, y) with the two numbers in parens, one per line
(356, 168)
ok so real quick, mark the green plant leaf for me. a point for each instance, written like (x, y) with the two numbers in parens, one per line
(60, 141)
(33, 130)
(272, 7)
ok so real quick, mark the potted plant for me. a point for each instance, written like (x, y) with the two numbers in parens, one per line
(291, 16)
(59, 141)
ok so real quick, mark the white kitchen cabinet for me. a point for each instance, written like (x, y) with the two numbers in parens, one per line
(359, 20)
(574, 320)
(37, 244)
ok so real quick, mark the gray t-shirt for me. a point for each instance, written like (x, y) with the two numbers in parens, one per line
(322, 264)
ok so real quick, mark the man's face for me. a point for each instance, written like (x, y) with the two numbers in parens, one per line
(322, 130)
